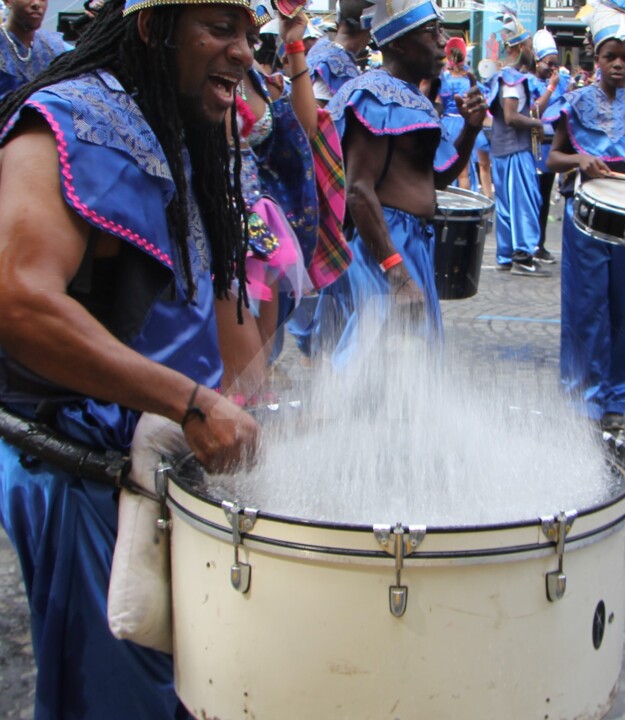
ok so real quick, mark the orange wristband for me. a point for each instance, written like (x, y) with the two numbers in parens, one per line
(294, 47)
(390, 262)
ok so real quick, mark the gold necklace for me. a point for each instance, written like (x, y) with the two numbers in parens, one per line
(27, 57)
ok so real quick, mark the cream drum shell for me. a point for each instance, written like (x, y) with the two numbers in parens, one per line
(314, 638)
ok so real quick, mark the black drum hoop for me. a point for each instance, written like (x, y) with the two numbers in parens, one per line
(595, 205)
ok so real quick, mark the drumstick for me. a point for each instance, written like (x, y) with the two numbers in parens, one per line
(617, 175)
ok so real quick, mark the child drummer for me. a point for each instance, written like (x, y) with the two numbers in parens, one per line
(590, 138)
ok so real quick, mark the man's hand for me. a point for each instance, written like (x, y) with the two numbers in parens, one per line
(293, 29)
(472, 105)
(407, 295)
(227, 439)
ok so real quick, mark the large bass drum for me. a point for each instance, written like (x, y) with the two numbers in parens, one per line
(277, 618)
(460, 225)
(599, 209)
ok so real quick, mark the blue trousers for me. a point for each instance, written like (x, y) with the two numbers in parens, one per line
(518, 202)
(592, 350)
(64, 530)
(365, 285)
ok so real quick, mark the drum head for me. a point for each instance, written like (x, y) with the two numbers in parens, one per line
(454, 200)
(607, 192)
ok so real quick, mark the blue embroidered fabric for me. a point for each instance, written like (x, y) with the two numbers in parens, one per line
(595, 124)
(332, 63)
(15, 72)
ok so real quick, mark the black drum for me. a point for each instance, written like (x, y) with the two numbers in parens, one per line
(460, 224)
(599, 210)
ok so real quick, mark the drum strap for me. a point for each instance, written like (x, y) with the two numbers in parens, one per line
(387, 162)
(39, 443)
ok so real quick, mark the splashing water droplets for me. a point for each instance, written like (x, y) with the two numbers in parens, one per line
(405, 434)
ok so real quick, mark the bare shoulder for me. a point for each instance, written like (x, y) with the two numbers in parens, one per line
(30, 147)
(39, 233)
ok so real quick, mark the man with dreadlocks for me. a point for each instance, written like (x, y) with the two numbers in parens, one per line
(118, 224)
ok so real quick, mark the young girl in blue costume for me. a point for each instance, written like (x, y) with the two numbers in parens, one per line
(455, 80)
(295, 205)
(590, 138)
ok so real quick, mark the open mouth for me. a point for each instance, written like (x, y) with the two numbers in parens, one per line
(225, 86)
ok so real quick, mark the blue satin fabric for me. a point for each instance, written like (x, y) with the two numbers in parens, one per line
(366, 283)
(64, 531)
(332, 63)
(113, 172)
(14, 72)
(518, 201)
(592, 351)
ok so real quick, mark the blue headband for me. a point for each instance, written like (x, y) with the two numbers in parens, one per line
(401, 23)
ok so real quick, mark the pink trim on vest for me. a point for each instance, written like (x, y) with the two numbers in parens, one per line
(393, 131)
(82, 209)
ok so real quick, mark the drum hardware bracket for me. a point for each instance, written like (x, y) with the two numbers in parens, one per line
(163, 523)
(242, 520)
(400, 544)
(556, 529)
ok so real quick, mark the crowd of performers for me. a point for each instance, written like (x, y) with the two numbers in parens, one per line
(166, 204)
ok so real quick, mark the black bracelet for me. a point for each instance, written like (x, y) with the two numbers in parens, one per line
(192, 410)
(299, 74)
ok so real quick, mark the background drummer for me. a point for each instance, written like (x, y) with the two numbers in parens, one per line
(590, 138)
(390, 174)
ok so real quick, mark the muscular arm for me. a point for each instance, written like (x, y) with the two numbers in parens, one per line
(365, 156)
(42, 243)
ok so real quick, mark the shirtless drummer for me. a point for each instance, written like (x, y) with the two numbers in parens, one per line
(390, 133)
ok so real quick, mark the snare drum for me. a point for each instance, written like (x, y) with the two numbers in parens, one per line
(460, 225)
(599, 209)
(278, 618)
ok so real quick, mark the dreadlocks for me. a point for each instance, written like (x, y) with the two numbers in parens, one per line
(147, 71)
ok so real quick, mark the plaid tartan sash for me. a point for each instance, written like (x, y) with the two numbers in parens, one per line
(332, 254)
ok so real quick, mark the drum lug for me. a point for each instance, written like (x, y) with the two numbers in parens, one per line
(399, 543)
(556, 529)
(161, 475)
(241, 520)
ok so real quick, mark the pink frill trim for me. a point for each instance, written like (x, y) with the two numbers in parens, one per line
(80, 207)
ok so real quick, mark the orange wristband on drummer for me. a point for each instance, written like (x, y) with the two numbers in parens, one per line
(391, 261)
(293, 48)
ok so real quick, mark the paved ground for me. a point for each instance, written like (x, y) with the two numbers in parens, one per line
(512, 322)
